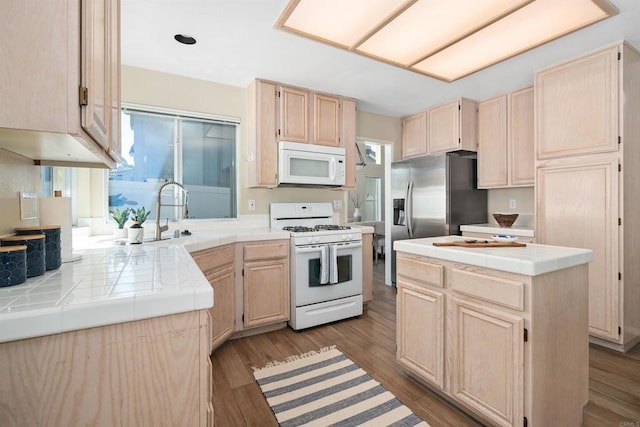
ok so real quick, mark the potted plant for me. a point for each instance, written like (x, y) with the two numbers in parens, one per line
(136, 231)
(120, 218)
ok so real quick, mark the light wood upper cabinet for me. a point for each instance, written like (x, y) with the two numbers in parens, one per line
(492, 143)
(326, 120)
(266, 283)
(262, 133)
(44, 112)
(505, 140)
(294, 114)
(348, 140)
(577, 106)
(282, 113)
(521, 137)
(452, 126)
(577, 206)
(414, 137)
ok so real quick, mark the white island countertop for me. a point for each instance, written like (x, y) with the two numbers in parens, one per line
(117, 283)
(531, 260)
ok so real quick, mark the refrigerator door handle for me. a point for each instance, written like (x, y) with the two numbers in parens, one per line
(409, 209)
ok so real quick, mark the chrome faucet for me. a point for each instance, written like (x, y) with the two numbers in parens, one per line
(184, 205)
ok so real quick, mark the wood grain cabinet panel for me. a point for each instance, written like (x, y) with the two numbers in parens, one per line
(577, 207)
(488, 362)
(505, 140)
(577, 106)
(262, 133)
(294, 114)
(587, 173)
(218, 266)
(414, 136)
(326, 120)
(453, 126)
(420, 331)
(266, 283)
(62, 102)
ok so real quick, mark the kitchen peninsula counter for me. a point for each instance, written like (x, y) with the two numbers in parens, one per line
(501, 332)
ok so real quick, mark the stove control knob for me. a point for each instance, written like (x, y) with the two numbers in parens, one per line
(316, 240)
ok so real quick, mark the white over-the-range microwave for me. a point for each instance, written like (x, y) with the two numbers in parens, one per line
(309, 164)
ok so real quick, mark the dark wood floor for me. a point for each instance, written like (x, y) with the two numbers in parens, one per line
(369, 340)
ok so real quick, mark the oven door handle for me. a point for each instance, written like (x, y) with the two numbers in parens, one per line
(353, 245)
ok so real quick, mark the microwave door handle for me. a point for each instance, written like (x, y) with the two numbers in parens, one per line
(332, 168)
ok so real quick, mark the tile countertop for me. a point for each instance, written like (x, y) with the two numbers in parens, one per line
(531, 260)
(115, 284)
(519, 230)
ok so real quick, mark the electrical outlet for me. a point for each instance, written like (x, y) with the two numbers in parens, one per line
(252, 205)
(337, 205)
(512, 203)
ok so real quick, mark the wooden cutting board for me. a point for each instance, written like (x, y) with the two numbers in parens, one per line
(481, 244)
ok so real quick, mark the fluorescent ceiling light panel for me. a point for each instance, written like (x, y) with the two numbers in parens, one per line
(430, 25)
(445, 39)
(531, 26)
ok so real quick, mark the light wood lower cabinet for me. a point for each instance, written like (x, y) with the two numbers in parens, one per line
(420, 331)
(488, 361)
(266, 283)
(218, 265)
(151, 372)
(508, 348)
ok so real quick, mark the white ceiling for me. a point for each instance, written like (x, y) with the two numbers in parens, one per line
(237, 43)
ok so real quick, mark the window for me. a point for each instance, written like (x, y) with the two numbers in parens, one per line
(198, 152)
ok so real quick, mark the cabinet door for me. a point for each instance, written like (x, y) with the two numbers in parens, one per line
(266, 292)
(577, 206)
(96, 69)
(420, 331)
(492, 140)
(488, 361)
(262, 123)
(443, 128)
(414, 140)
(520, 137)
(114, 80)
(326, 120)
(348, 140)
(294, 115)
(577, 106)
(223, 312)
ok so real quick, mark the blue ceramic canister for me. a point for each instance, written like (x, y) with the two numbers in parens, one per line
(53, 256)
(13, 265)
(35, 244)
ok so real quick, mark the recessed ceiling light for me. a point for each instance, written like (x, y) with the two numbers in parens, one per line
(442, 39)
(184, 39)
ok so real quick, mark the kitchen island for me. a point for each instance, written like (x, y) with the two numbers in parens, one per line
(499, 331)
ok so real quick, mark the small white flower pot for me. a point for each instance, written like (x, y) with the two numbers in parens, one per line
(136, 235)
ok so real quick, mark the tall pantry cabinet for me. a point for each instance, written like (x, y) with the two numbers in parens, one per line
(587, 174)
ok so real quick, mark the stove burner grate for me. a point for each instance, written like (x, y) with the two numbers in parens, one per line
(331, 227)
(298, 229)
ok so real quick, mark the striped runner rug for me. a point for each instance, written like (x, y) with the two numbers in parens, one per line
(326, 388)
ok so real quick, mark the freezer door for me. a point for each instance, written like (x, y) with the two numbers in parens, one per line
(428, 198)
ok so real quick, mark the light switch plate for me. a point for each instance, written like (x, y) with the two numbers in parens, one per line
(337, 205)
(28, 205)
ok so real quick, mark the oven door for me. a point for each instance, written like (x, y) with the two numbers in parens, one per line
(306, 286)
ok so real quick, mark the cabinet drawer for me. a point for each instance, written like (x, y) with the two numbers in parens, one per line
(420, 270)
(279, 249)
(213, 258)
(504, 292)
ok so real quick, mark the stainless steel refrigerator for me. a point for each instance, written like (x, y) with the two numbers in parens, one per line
(433, 195)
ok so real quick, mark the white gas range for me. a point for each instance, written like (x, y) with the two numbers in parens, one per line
(326, 264)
